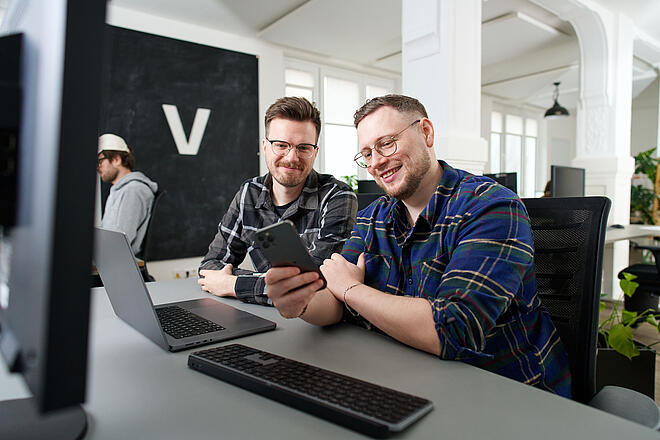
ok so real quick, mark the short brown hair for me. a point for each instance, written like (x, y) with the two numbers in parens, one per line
(401, 103)
(295, 109)
(127, 159)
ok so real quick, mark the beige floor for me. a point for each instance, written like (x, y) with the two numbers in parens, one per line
(645, 334)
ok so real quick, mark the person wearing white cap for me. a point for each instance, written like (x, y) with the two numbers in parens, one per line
(128, 207)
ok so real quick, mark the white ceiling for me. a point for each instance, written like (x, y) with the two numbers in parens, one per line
(368, 32)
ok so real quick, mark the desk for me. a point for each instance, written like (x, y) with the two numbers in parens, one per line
(616, 255)
(137, 390)
(629, 232)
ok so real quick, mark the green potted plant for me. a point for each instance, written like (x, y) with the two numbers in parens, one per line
(352, 181)
(641, 196)
(621, 360)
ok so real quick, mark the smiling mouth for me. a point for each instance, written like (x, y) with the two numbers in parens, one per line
(290, 166)
(389, 172)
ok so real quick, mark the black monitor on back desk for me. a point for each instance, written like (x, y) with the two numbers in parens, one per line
(368, 191)
(509, 180)
(567, 181)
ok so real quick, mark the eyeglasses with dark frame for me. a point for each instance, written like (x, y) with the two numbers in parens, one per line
(100, 160)
(282, 148)
(385, 147)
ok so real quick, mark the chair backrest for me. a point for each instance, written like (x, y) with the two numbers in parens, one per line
(569, 237)
(145, 251)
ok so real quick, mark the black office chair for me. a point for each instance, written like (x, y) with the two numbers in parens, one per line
(569, 237)
(648, 277)
(147, 243)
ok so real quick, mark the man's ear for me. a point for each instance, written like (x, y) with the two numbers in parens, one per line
(428, 131)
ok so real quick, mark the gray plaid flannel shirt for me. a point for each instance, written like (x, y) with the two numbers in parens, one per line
(324, 216)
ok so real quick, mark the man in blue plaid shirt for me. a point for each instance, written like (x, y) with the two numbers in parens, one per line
(443, 262)
(321, 208)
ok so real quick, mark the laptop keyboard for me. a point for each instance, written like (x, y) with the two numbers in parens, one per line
(181, 323)
(362, 406)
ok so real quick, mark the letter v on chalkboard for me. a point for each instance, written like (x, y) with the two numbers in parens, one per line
(185, 146)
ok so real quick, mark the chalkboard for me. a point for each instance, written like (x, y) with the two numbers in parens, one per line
(144, 72)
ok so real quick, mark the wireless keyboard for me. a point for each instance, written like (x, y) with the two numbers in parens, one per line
(353, 403)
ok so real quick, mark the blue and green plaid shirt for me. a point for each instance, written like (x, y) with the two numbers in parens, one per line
(470, 254)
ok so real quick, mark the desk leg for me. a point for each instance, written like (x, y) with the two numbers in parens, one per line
(615, 258)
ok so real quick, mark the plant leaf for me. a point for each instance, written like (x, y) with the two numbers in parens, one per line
(620, 338)
(628, 286)
(628, 317)
(629, 276)
(602, 306)
(651, 320)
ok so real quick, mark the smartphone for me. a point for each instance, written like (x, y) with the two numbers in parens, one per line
(282, 246)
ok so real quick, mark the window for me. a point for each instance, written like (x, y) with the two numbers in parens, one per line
(513, 143)
(299, 83)
(338, 93)
(341, 99)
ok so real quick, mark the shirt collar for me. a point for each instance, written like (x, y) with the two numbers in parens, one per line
(307, 200)
(448, 181)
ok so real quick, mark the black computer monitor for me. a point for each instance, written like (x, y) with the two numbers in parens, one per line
(369, 187)
(368, 191)
(566, 181)
(51, 131)
(509, 180)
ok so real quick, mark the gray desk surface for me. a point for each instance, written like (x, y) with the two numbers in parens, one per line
(630, 232)
(137, 390)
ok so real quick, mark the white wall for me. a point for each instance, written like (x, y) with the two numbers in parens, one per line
(561, 137)
(644, 124)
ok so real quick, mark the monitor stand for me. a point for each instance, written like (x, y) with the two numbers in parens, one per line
(19, 420)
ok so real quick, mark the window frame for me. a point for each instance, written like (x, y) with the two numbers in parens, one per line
(539, 151)
(320, 71)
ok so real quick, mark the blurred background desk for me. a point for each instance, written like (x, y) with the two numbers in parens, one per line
(629, 232)
(137, 390)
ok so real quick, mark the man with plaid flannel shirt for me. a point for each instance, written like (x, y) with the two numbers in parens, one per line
(321, 207)
(444, 262)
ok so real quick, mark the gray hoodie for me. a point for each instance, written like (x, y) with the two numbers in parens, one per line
(128, 207)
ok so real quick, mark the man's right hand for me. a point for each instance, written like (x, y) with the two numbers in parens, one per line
(291, 291)
(218, 282)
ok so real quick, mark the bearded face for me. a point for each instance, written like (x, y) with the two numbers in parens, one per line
(290, 170)
(106, 169)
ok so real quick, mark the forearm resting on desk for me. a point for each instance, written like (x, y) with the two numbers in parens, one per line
(406, 319)
(218, 282)
(323, 309)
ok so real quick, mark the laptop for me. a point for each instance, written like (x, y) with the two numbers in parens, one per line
(174, 326)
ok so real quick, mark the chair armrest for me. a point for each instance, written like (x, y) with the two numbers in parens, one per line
(628, 404)
(655, 250)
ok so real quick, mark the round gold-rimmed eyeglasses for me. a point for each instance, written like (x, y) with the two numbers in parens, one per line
(385, 147)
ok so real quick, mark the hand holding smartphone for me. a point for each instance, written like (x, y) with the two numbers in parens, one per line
(282, 247)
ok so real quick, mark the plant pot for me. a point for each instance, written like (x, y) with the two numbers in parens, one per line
(637, 374)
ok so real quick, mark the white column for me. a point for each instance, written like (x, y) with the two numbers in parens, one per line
(442, 68)
(603, 113)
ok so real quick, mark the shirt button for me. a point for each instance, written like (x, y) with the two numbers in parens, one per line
(409, 280)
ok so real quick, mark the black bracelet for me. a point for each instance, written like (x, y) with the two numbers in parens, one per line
(303, 311)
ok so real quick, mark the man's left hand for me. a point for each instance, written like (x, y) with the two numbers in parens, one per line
(218, 282)
(340, 273)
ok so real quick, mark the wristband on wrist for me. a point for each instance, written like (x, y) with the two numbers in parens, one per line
(351, 311)
(303, 311)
